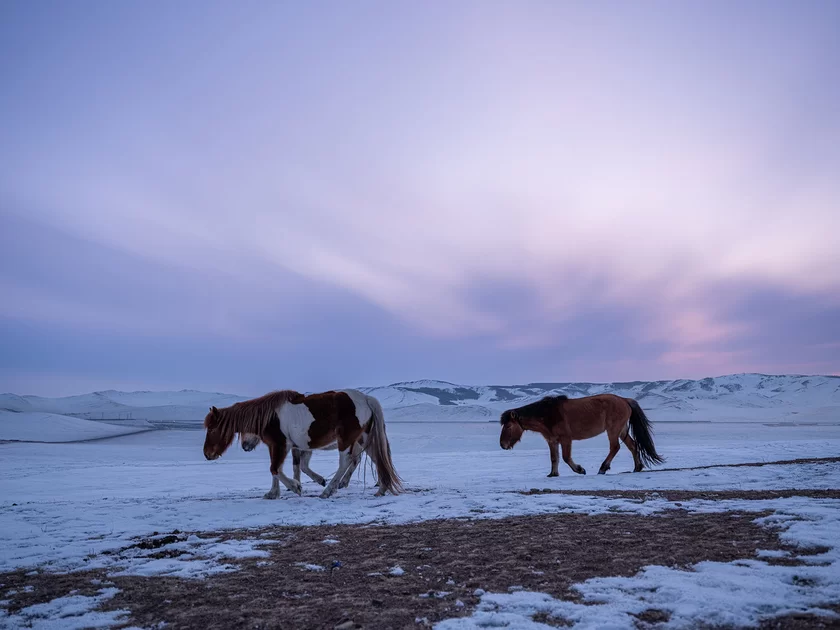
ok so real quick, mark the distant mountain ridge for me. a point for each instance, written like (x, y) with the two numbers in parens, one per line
(184, 405)
(744, 397)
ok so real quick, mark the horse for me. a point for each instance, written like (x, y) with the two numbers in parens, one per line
(348, 420)
(560, 420)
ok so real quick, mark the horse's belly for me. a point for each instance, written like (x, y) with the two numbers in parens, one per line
(324, 443)
(589, 431)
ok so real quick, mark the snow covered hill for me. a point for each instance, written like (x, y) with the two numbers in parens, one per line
(740, 397)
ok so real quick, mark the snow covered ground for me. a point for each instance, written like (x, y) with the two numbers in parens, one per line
(62, 502)
(50, 427)
(62, 505)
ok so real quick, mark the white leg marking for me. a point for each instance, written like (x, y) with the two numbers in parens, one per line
(291, 484)
(275, 489)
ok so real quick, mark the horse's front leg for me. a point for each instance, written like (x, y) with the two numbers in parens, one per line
(567, 457)
(554, 451)
(278, 452)
(274, 451)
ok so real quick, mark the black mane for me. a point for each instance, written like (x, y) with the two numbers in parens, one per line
(537, 409)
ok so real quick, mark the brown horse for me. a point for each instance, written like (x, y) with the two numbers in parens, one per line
(560, 420)
(349, 420)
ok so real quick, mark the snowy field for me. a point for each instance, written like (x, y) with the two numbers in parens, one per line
(63, 505)
(50, 427)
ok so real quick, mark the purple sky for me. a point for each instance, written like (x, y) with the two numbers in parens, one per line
(247, 196)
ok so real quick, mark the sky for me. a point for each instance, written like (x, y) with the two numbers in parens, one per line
(242, 197)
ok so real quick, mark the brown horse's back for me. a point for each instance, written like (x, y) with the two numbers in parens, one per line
(587, 417)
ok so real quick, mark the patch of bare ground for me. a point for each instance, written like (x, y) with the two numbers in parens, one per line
(689, 495)
(443, 562)
(780, 462)
(802, 622)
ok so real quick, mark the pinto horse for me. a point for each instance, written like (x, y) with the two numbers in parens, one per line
(560, 420)
(348, 420)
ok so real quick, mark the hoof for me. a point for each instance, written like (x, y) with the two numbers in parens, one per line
(297, 488)
(553, 474)
(603, 471)
(581, 470)
(321, 481)
(637, 469)
(271, 495)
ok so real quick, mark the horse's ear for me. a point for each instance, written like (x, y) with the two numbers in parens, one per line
(514, 416)
(213, 410)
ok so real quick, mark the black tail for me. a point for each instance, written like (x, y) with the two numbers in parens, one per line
(641, 433)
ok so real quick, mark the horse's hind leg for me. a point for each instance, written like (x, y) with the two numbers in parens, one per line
(361, 444)
(630, 443)
(278, 451)
(305, 456)
(614, 447)
(567, 457)
(348, 459)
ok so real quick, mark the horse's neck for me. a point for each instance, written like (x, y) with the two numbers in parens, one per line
(540, 425)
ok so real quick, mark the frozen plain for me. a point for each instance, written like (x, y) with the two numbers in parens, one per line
(62, 505)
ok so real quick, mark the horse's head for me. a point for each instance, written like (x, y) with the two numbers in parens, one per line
(512, 429)
(249, 441)
(219, 437)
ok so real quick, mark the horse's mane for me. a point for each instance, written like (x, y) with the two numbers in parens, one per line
(248, 416)
(540, 408)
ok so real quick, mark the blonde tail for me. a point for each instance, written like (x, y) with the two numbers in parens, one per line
(380, 451)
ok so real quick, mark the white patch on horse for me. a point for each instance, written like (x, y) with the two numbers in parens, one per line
(295, 421)
(363, 410)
